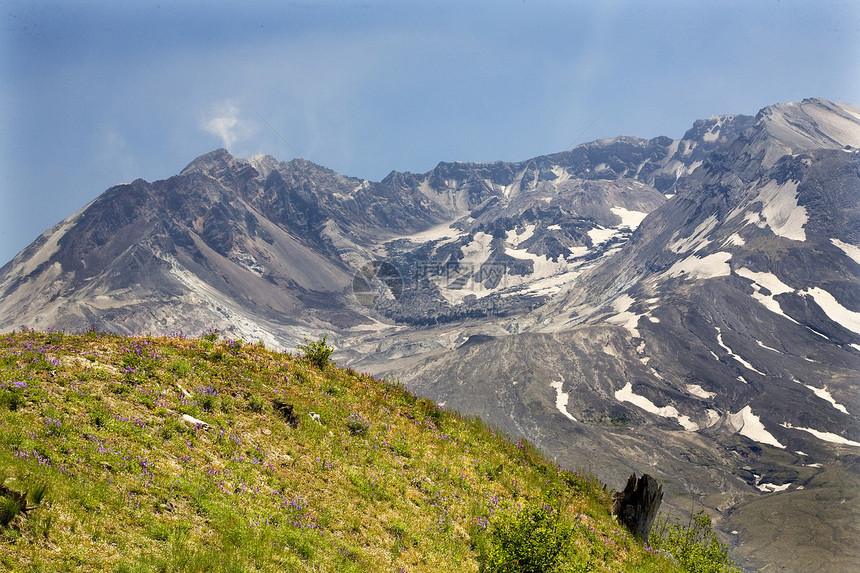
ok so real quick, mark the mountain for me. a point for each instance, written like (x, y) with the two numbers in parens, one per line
(721, 341)
(688, 307)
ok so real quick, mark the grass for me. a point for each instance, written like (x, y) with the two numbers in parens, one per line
(377, 480)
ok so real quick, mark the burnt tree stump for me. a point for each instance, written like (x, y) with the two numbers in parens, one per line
(636, 507)
(286, 410)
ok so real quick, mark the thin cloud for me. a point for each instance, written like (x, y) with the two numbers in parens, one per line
(224, 121)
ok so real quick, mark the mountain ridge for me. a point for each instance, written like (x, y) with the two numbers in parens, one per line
(686, 302)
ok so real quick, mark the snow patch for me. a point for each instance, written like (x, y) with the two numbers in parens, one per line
(825, 395)
(753, 218)
(630, 219)
(832, 308)
(781, 211)
(600, 235)
(542, 286)
(697, 240)
(840, 127)
(771, 283)
(734, 240)
(624, 317)
(436, 233)
(826, 436)
(626, 395)
(514, 238)
(711, 266)
(629, 320)
(772, 488)
(561, 173)
(699, 392)
(766, 347)
(561, 399)
(748, 424)
(731, 353)
(713, 417)
(542, 264)
(474, 255)
(850, 250)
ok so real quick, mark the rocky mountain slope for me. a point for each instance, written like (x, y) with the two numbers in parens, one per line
(688, 307)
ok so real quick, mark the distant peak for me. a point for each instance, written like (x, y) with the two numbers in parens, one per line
(206, 162)
(814, 123)
(264, 164)
(607, 141)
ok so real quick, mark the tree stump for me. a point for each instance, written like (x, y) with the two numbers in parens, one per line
(286, 410)
(636, 507)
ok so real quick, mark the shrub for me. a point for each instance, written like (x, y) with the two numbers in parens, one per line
(38, 493)
(100, 416)
(170, 428)
(535, 539)
(357, 425)
(695, 547)
(180, 367)
(209, 403)
(316, 353)
(211, 335)
(12, 399)
(257, 403)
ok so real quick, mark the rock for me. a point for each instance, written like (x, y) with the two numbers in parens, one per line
(195, 422)
(286, 410)
(636, 507)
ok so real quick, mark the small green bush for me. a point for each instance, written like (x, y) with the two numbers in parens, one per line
(402, 448)
(38, 493)
(535, 539)
(257, 403)
(170, 428)
(317, 353)
(695, 547)
(211, 335)
(180, 367)
(227, 404)
(12, 399)
(356, 425)
(100, 416)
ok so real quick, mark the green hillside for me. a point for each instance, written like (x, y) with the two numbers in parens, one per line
(91, 429)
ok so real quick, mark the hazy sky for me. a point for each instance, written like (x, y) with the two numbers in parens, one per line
(100, 92)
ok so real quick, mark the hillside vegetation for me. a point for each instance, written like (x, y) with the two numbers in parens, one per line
(288, 467)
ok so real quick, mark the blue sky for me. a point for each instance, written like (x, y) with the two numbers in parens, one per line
(93, 93)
